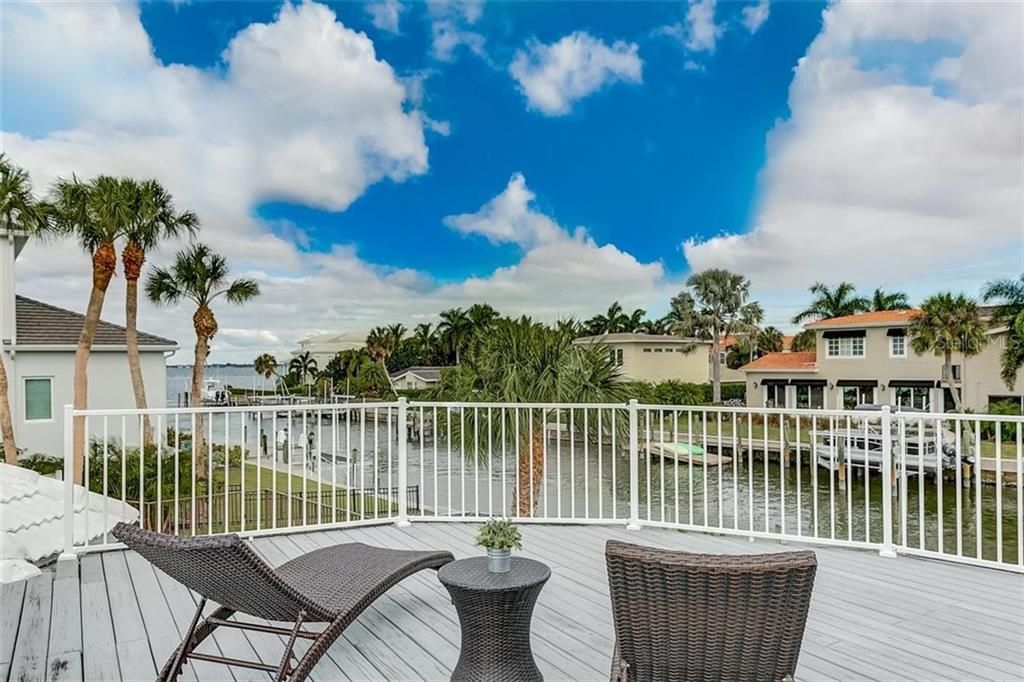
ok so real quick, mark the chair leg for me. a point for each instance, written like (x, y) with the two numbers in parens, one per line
(318, 648)
(286, 659)
(197, 632)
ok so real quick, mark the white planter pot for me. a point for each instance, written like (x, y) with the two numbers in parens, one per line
(499, 560)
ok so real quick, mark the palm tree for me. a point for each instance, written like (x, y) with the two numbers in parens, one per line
(265, 365)
(455, 328)
(829, 303)
(396, 332)
(482, 315)
(95, 213)
(659, 326)
(522, 361)
(948, 323)
(19, 210)
(718, 307)
(153, 219)
(804, 342)
(889, 300)
(378, 344)
(1009, 313)
(769, 340)
(633, 322)
(303, 365)
(201, 276)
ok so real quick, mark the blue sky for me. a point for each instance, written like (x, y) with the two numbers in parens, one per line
(642, 166)
(381, 161)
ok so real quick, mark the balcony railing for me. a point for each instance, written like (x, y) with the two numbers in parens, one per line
(946, 486)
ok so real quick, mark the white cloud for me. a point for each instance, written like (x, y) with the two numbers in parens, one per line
(754, 16)
(702, 32)
(555, 76)
(385, 14)
(302, 110)
(878, 177)
(450, 22)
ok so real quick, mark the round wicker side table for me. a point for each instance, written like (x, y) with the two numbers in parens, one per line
(495, 610)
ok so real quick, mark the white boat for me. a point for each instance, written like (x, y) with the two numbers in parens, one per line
(213, 391)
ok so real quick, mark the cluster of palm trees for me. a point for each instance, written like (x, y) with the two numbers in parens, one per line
(102, 214)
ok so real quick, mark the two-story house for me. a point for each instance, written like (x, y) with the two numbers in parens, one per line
(662, 357)
(867, 358)
(37, 346)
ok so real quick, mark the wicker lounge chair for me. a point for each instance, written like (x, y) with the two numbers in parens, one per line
(682, 616)
(330, 585)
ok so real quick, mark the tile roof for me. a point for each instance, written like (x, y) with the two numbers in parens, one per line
(795, 362)
(874, 318)
(40, 323)
(32, 513)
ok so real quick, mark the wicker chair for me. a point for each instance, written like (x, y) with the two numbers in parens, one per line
(331, 585)
(683, 616)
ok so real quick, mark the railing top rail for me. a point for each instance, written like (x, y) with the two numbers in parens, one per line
(284, 407)
(535, 406)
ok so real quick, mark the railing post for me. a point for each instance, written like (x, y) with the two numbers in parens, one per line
(888, 549)
(634, 468)
(403, 474)
(69, 488)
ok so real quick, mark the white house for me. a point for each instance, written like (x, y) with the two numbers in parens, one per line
(37, 347)
(323, 347)
(416, 377)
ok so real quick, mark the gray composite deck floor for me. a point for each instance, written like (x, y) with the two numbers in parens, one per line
(115, 617)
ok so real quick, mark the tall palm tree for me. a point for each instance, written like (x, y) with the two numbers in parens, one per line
(718, 306)
(482, 315)
(94, 213)
(303, 365)
(19, 210)
(455, 328)
(396, 332)
(804, 342)
(378, 344)
(948, 323)
(634, 321)
(888, 300)
(522, 361)
(265, 365)
(769, 340)
(201, 276)
(153, 220)
(828, 303)
(1009, 313)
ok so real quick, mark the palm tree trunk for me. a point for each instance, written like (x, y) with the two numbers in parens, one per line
(196, 399)
(6, 425)
(716, 369)
(530, 472)
(947, 379)
(104, 261)
(131, 314)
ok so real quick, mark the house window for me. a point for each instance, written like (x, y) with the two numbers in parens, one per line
(956, 372)
(775, 395)
(647, 350)
(810, 397)
(852, 396)
(721, 359)
(846, 347)
(616, 356)
(659, 350)
(907, 396)
(38, 399)
(897, 346)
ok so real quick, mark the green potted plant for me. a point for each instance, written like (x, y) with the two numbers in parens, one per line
(499, 537)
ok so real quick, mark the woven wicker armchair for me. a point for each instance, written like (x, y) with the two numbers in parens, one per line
(331, 585)
(683, 616)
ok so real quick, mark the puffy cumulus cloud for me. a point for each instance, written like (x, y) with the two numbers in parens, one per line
(882, 175)
(385, 14)
(451, 24)
(508, 217)
(754, 16)
(555, 76)
(702, 33)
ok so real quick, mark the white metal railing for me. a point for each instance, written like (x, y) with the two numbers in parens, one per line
(941, 485)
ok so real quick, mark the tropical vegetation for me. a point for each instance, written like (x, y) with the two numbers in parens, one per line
(524, 361)
(304, 367)
(947, 324)
(265, 365)
(19, 209)
(201, 276)
(1008, 295)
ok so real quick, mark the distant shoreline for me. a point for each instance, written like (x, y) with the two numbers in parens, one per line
(222, 364)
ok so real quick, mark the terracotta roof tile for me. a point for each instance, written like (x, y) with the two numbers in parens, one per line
(877, 317)
(783, 361)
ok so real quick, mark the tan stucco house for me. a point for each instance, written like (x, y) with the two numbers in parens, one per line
(416, 377)
(867, 358)
(657, 357)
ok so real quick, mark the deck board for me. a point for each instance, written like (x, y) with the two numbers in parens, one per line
(871, 618)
